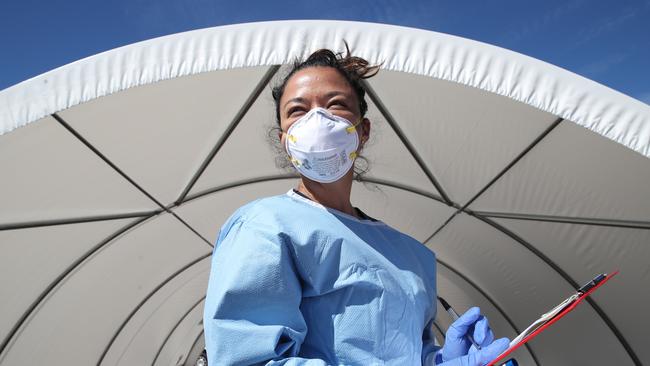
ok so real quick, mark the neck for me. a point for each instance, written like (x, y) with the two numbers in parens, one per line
(334, 195)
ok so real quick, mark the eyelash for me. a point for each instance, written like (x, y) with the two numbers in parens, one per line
(292, 110)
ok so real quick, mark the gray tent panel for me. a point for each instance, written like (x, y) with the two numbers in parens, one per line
(142, 339)
(29, 273)
(575, 173)
(195, 351)
(88, 307)
(582, 250)
(503, 268)
(157, 134)
(210, 211)
(454, 128)
(247, 153)
(178, 346)
(60, 177)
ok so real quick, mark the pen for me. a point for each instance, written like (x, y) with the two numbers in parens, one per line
(454, 316)
(511, 362)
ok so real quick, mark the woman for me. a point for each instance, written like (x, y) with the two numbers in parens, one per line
(305, 278)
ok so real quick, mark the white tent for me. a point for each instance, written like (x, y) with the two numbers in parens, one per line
(119, 169)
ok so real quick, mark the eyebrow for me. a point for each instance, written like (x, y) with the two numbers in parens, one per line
(297, 100)
(334, 93)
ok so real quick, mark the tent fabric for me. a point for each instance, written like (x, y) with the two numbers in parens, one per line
(436, 55)
(120, 168)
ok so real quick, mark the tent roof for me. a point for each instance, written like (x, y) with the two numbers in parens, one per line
(525, 179)
(493, 69)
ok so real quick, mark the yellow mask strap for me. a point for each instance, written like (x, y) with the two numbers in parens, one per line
(353, 128)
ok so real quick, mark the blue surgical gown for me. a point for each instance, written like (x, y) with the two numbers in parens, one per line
(295, 283)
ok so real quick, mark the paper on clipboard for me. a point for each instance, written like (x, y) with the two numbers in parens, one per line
(554, 315)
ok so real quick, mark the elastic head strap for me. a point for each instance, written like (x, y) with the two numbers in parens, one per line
(353, 128)
(295, 161)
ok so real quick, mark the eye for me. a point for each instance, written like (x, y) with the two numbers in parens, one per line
(337, 104)
(295, 111)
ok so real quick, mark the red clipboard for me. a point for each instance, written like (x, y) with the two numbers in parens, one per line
(568, 307)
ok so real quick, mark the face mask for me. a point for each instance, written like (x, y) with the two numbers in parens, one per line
(322, 146)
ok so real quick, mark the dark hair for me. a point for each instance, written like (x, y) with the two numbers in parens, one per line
(352, 68)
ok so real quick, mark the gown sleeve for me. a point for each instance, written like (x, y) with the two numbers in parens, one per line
(429, 347)
(252, 308)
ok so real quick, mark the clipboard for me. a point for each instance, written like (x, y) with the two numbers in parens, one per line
(554, 315)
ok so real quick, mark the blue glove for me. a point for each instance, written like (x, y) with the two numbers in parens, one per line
(457, 345)
(482, 357)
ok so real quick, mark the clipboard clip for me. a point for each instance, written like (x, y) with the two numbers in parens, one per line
(593, 283)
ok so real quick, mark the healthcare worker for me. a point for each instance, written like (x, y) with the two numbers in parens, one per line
(305, 278)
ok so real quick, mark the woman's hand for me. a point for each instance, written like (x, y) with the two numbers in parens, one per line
(482, 357)
(458, 350)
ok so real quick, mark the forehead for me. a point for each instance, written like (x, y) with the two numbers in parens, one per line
(316, 81)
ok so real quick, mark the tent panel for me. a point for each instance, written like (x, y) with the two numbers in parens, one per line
(466, 136)
(178, 121)
(89, 306)
(208, 213)
(248, 152)
(576, 173)
(197, 348)
(525, 288)
(586, 250)
(37, 256)
(142, 337)
(49, 174)
(389, 158)
(407, 212)
(461, 295)
(180, 342)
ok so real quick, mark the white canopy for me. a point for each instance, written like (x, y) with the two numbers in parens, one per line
(119, 169)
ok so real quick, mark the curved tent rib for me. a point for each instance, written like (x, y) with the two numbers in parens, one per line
(144, 301)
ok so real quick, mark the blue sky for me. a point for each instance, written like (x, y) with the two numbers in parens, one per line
(606, 41)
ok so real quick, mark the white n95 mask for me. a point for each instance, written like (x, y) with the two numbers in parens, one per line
(322, 146)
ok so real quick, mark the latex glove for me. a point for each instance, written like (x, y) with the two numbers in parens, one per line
(456, 342)
(482, 357)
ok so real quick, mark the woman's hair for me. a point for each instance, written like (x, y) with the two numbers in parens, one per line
(352, 68)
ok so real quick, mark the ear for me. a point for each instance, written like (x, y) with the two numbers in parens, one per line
(364, 132)
(282, 137)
